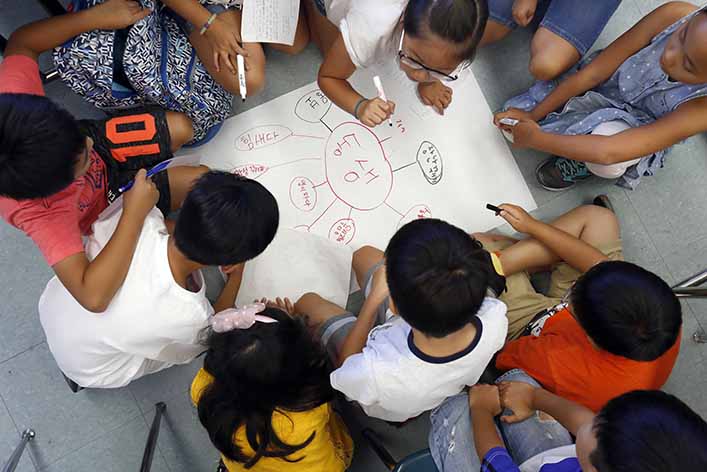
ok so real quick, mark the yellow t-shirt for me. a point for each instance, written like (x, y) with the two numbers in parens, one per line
(331, 449)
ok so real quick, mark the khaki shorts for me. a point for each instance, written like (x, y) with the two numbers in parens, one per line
(524, 302)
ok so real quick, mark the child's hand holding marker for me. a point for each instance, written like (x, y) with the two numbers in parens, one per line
(376, 110)
(140, 196)
(517, 217)
(518, 127)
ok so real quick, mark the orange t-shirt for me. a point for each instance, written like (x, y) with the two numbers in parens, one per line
(564, 361)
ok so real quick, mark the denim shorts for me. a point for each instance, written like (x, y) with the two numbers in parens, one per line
(451, 437)
(580, 23)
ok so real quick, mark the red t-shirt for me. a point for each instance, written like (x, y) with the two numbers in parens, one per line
(564, 361)
(56, 223)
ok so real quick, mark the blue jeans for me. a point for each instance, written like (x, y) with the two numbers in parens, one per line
(451, 438)
(580, 23)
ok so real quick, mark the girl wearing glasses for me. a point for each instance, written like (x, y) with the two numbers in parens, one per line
(433, 39)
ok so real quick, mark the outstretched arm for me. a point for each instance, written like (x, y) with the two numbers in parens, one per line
(688, 120)
(94, 283)
(333, 77)
(551, 243)
(34, 38)
(355, 341)
(484, 405)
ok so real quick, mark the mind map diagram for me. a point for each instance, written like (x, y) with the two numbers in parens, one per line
(355, 173)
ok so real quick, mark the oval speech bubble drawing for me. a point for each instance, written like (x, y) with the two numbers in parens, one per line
(417, 212)
(430, 162)
(262, 136)
(343, 231)
(251, 171)
(313, 106)
(303, 195)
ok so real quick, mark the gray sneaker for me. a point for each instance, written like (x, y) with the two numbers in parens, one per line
(557, 173)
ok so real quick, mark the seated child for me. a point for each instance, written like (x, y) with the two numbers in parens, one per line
(218, 41)
(433, 41)
(605, 327)
(57, 174)
(639, 431)
(619, 113)
(566, 29)
(429, 326)
(154, 319)
(264, 396)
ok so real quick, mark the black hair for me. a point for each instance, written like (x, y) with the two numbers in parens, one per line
(40, 145)
(649, 431)
(437, 275)
(256, 371)
(459, 21)
(226, 219)
(627, 310)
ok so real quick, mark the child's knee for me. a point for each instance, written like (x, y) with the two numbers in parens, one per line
(181, 130)
(305, 303)
(600, 216)
(544, 67)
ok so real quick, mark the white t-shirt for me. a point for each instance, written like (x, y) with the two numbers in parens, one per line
(393, 380)
(152, 323)
(368, 27)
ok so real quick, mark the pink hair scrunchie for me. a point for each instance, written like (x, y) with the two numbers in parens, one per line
(239, 318)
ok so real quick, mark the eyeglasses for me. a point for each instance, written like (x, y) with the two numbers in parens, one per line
(434, 73)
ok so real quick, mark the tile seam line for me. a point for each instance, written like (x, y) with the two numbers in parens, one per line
(22, 352)
(93, 440)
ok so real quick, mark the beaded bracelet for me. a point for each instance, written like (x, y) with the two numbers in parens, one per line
(358, 105)
(208, 23)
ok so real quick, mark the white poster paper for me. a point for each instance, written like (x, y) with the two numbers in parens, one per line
(269, 21)
(296, 263)
(334, 177)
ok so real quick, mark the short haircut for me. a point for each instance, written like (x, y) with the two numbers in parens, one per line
(459, 21)
(437, 275)
(226, 219)
(649, 431)
(627, 310)
(40, 144)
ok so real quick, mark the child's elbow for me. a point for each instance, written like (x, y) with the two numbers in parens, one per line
(608, 155)
(95, 304)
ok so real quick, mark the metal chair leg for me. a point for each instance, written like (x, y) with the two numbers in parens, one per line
(72, 385)
(152, 438)
(687, 289)
(378, 447)
(11, 465)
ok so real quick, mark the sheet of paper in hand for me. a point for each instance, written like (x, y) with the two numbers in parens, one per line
(269, 21)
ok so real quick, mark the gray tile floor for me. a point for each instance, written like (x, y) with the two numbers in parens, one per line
(663, 229)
